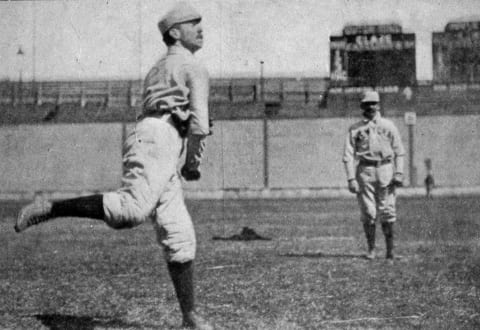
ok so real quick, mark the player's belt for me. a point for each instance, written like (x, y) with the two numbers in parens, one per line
(159, 112)
(155, 113)
(376, 163)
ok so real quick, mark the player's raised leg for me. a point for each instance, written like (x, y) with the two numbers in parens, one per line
(145, 176)
(41, 211)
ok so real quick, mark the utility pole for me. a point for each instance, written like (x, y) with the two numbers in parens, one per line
(265, 129)
(410, 121)
(19, 93)
(262, 83)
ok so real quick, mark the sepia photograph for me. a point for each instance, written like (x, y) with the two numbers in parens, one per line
(239, 164)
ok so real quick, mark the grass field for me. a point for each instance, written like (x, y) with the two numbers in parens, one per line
(82, 275)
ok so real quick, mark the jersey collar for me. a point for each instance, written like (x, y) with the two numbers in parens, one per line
(178, 50)
(374, 119)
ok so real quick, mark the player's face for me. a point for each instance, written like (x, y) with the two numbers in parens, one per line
(191, 35)
(370, 109)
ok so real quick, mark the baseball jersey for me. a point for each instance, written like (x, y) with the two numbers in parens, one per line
(372, 140)
(179, 83)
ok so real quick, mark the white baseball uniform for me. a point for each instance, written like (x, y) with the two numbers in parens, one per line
(151, 183)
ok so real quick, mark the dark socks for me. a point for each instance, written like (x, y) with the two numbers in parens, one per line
(387, 228)
(84, 207)
(182, 278)
(369, 230)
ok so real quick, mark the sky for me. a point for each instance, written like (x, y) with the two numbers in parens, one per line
(119, 39)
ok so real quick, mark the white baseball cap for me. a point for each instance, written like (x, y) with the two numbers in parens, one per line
(180, 13)
(370, 97)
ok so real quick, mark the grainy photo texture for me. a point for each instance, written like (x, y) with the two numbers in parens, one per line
(239, 164)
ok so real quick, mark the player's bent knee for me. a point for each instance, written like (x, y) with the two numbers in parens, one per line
(185, 254)
(387, 216)
(130, 220)
(179, 249)
(368, 213)
(124, 213)
(368, 218)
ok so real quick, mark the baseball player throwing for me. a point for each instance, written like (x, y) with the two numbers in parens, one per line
(373, 158)
(175, 115)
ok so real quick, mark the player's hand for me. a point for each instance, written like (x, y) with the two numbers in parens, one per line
(189, 174)
(353, 186)
(397, 180)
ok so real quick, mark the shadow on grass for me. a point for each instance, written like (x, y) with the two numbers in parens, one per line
(324, 255)
(73, 322)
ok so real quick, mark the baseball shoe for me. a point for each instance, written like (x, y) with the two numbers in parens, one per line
(370, 255)
(391, 256)
(33, 214)
(194, 321)
(389, 260)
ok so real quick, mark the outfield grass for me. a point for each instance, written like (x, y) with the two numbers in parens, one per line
(82, 275)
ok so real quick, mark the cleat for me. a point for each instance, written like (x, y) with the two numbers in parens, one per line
(392, 257)
(370, 255)
(33, 214)
(390, 260)
(194, 321)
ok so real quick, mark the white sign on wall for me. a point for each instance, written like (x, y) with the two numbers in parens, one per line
(410, 118)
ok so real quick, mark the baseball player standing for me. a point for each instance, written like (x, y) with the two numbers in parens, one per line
(175, 117)
(373, 158)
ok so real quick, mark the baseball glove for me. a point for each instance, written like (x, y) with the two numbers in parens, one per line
(189, 174)
(397, 180)
(353, 186)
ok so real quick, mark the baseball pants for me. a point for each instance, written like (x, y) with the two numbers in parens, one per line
(376, 196)
(152, 188)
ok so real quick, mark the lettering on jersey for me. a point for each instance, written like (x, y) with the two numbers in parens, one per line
(152, 78)
(361, 139)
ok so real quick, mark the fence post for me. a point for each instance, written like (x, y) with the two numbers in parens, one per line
(281, 92)
(266, 178)
(230, 91)
(410, 121)
(39, 91)
(129, 95)
(83, 100)
(411, 155)
(107, 96)
(306, 87)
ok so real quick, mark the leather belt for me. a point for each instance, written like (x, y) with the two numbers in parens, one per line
(155, 113)
(376, 163)
(164, 116)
